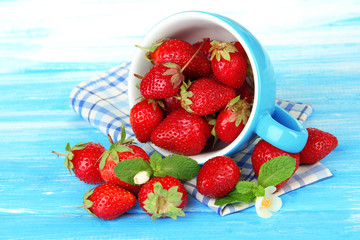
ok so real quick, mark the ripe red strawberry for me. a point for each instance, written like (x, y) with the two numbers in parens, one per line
(82, 159)
(232, 119)
(118, 152)
(180, 52)
(163, 197)
(239, 47)
(172, 103)
(163, 80)
(264, 151)
(144, 117)
(205, 48)
(182, 132)
(228, 65)
(205, 96)
(108, 201)
(246, 92)
(217, 177)
(318, 146)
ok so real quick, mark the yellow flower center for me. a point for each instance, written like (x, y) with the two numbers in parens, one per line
(265, 203)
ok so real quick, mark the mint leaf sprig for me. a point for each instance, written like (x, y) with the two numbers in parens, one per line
(271, 173)
(178, 166)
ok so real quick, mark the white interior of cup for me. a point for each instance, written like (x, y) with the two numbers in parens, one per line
(192, 27)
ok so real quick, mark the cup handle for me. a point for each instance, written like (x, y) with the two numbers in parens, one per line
(282, 130)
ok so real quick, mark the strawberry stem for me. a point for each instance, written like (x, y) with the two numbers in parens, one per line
(138, 76)
(58, 154)
(145, 49)
(193, 56)
(110, 139)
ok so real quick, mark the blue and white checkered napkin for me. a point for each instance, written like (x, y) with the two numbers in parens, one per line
(103, 102)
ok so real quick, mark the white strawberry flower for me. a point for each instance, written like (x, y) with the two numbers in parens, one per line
(268, 204)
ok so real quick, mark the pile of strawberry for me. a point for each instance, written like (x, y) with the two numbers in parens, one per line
(193, 92)
(125, 174)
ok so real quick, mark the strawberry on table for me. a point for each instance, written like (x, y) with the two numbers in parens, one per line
(217, 177)
(318, 146)
(108, 201)
(163, 197)
(118, 152)
(180, 52)
(82, 159)
(144, 117)
(205, 96)
(182, 132)
(264, 152)
(228, 65)
(232, 119)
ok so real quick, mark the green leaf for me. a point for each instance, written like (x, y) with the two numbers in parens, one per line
(127, 169)
(155, 161)
(68, 147)
(122, 133)
(178, 166)
(246, 187)
(259, 191)
(235, 197)
(276, 170)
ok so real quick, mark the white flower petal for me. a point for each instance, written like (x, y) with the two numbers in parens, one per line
(258, 202)
(270, 190)
(276, 204)
(263, 213)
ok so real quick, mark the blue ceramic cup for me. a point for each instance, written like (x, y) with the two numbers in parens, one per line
(267, 120)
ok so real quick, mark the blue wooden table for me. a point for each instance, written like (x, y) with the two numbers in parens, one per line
(48, 47)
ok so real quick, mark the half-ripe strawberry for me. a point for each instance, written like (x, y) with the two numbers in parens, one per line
(318, 146)
(118, 152)
(228, 65)
(82, 159)
(264, 151)
(217, 177)
(180, 52)
(232, 119)
(182, 132)
(108, 201)
(163, 197)
(144, 117)
(205, 96)
(163, 80)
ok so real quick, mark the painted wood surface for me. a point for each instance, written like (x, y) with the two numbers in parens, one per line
(48, 47)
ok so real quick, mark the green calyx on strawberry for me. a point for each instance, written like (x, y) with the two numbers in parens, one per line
(70, 156)
(163, 197)
(221, 50)
(108, 201)
(149, 55)
(232, 120)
